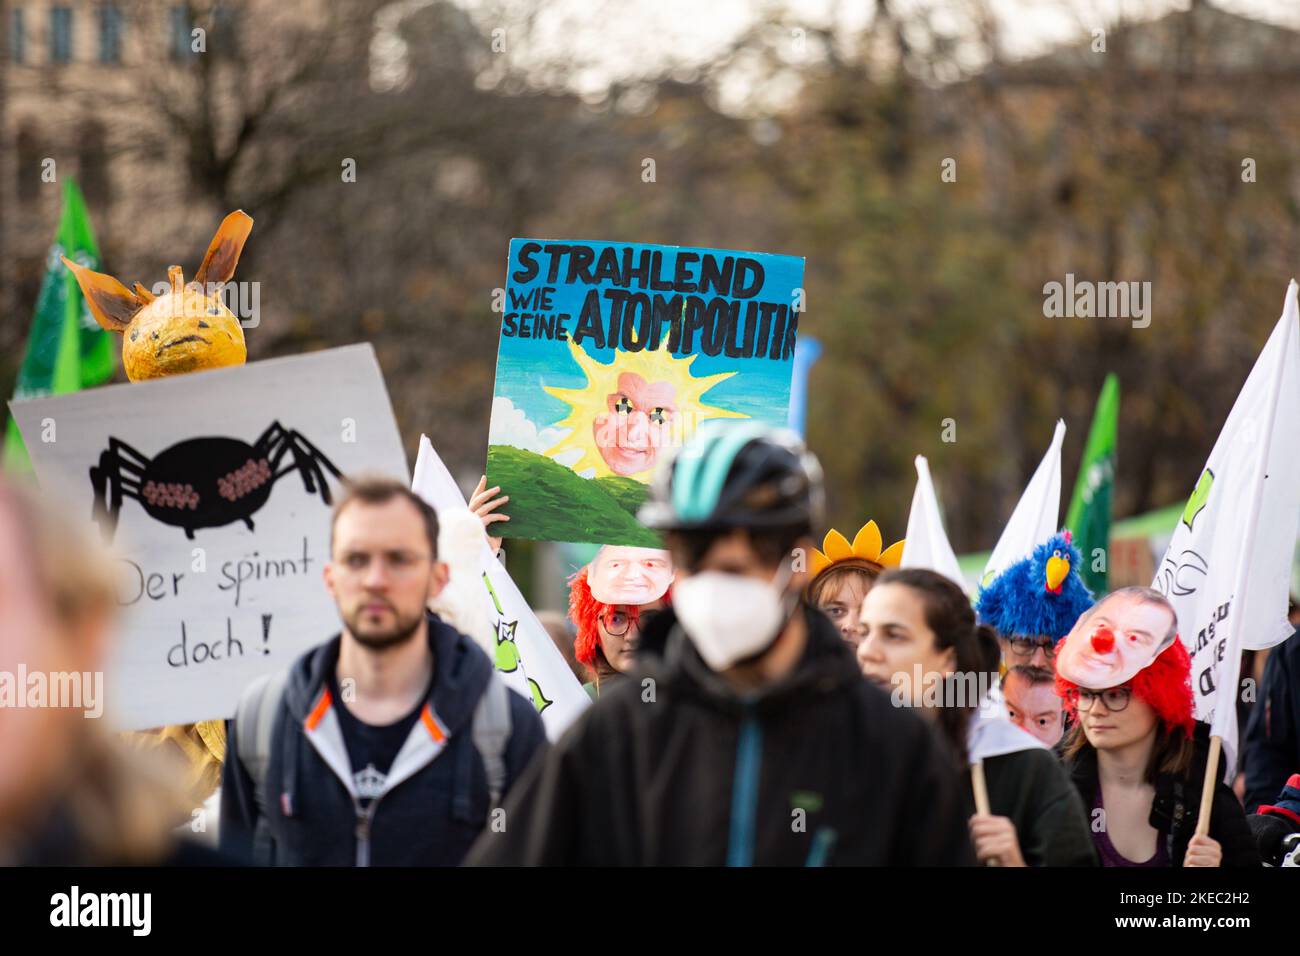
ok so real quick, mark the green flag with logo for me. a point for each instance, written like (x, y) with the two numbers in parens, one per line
(66, 348)
(1089, 515)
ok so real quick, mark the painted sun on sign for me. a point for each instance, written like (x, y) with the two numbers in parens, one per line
(631, 408)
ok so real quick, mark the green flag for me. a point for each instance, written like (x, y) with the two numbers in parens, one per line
(1089, 515)
(66, 348)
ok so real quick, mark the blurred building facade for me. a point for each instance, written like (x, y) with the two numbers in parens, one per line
(87, 95)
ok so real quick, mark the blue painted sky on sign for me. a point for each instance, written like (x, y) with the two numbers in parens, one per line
(524, 365)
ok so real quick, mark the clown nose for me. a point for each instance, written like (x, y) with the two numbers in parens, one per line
(1103, 641)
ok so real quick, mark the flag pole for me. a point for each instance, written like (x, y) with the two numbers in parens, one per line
(1207, 785)
(981, 789)
(1243, 576)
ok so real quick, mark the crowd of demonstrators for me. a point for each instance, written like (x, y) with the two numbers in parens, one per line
(842, 574)
(1136, 755)
(392, 742)
(747, 709)
(747, 735)
(71, 792)
(918, 627)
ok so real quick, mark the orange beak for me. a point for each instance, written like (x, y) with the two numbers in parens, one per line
(1057, 569)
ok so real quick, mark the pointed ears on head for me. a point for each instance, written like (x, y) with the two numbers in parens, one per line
(111, 303)
(219, 263)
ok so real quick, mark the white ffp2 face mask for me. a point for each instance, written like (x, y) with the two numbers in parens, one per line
(730, 617)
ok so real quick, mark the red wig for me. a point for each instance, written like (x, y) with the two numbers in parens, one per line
(1164, 684)
(584, 611)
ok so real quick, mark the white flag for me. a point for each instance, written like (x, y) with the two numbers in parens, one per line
(526, 657)
(1037, 513)
(1228, 567)
(927, 543)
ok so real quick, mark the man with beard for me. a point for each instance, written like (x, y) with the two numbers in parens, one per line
(391, 744)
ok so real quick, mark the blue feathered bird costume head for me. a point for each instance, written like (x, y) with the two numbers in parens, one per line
(1041, 595)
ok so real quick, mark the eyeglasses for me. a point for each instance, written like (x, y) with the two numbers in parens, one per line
(1024, 647)
(618, 623)
(1115, 698)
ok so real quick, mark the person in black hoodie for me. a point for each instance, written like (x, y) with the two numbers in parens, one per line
(746, 735)
(392, 743)
(1135, 753)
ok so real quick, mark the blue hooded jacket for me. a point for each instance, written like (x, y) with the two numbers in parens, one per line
(435, 801)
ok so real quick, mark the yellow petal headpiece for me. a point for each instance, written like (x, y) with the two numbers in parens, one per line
(866, 547)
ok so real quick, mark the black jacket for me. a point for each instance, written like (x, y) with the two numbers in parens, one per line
(673, 767)
(1177, 805)
(1272, 750)
(1030, 788)
(438, 797)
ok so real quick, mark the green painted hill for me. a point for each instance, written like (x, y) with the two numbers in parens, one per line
(628, 492)
(548, 502)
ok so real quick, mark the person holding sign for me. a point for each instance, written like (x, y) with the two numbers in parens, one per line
(390, 744)
(745, 736)
(1135, 754)
(920, 644)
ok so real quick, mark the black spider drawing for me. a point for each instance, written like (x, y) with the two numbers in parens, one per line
(205, 482)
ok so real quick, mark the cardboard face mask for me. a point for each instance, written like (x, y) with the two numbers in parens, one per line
(630, 576)
(185, 330)
(1121, 636)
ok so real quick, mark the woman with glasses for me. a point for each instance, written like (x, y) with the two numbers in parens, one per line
(1135, 754)
(609, 632)
(921, 645)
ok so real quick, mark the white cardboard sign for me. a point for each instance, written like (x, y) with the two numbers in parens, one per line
(213, 491)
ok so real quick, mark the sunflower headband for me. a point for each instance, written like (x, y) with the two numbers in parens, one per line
(865, 551)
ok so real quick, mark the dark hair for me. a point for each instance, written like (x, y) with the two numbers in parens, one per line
(949, 615)
(1034, 676)
(772, 546)
(379, 490)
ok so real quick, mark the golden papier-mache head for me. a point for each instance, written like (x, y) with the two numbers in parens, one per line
(865, 552)
(185, 330)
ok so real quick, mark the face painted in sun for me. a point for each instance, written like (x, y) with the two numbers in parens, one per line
(630, 410)
(639, 422)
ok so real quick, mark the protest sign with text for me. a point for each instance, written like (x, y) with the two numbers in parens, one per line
(611, 354)
(213, 490)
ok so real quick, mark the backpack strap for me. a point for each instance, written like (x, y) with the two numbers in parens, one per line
(491, 733)
(254, 724)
